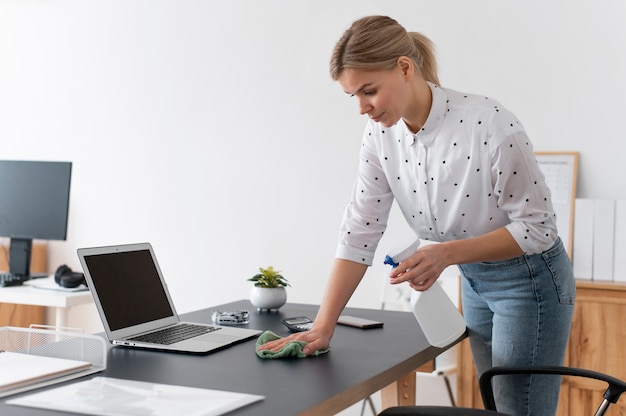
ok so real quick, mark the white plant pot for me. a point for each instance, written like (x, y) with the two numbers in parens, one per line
(268, 298)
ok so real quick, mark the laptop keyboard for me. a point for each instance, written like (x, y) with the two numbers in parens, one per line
(174, 334)
(8, 279)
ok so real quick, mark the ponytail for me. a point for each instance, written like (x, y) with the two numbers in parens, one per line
(426, 61)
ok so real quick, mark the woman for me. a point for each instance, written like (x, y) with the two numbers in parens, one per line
(463, 172)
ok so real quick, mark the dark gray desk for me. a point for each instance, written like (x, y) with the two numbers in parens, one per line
(360, 363)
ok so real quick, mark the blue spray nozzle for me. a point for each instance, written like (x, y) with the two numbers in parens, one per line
(389, 260)
(401, 253)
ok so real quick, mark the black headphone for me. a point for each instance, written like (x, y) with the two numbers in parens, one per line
(65, 277)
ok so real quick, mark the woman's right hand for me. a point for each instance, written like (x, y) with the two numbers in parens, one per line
(344, 278)
(316, 341)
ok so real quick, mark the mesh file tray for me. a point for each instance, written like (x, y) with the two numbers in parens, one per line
(55, 344)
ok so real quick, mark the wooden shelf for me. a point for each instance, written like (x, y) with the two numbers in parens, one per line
(24, 315)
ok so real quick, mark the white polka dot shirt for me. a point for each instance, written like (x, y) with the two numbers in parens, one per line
(470, 170)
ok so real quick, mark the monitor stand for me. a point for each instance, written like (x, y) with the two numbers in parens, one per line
(19, 258)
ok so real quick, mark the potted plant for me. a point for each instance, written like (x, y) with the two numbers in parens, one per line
(268, 291)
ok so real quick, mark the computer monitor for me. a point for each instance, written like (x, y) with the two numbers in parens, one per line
(34, 204)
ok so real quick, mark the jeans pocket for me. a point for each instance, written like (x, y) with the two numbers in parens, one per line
(560, 267)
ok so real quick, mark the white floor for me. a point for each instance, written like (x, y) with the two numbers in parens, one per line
(431, 390)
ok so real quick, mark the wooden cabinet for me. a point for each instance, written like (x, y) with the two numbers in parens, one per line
(23, 315)
(596, 342)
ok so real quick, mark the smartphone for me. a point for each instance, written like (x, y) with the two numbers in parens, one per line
(358, 322)
(298, 323)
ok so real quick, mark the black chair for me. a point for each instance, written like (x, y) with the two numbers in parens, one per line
(615, 387)
(436, 411)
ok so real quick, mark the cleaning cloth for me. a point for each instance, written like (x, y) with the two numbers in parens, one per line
(292, 349)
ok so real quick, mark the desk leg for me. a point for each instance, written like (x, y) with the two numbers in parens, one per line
(60, 317)
(402, 392)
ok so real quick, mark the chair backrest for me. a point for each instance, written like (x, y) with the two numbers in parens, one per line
(614, 389)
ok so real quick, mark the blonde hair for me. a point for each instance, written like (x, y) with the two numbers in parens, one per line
(376, 42)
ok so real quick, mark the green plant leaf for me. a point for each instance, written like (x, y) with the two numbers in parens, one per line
(269, 278)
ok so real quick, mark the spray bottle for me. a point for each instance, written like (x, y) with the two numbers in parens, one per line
(439, 318)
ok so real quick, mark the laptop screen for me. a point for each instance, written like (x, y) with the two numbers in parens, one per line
(129, 288)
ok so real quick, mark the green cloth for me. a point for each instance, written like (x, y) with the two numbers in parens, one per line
(292, 349)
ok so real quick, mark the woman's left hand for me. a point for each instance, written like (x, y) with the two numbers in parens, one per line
(423, 268)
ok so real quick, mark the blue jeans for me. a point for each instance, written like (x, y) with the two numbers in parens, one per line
(519, 312)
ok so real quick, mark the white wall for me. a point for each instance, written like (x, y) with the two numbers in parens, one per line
(213, 130)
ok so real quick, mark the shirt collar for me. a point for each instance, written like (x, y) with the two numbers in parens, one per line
(438, 110)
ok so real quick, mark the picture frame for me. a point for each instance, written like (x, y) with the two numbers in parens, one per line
(561, 172)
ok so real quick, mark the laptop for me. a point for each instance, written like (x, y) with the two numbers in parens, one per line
(135, 306)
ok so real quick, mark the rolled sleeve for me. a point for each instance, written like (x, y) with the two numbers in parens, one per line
(523, 193)
(365, 218)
